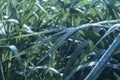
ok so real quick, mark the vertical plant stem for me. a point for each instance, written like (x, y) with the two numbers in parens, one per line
(2, 71)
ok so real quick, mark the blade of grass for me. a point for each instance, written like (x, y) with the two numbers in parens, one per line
(40, 43)
(53, 70)
(91, 5)
(15, 52)
(100, 65)
(2, 31)
(111, 29)
(70, 32)
(78, 51)
(81, 66)
(1, 69)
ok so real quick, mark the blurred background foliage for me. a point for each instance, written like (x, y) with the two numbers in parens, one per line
(59, 40)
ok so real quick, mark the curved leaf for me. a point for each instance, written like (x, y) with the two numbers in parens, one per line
(111, 29)
(78, 51)
(100, 65)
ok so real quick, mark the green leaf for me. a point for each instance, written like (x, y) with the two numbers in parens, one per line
(111, 29)
(70, 32)
(78, 51)
(2, 31)
(101, 64)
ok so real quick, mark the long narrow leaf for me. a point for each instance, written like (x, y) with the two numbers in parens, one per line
(70, 32)
(78, 51)
(81, 66)
(100, 65)
(91, 5)
(15, 52)
(2, 31)
(111, 29)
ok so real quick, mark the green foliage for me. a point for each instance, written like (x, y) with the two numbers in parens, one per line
(59, 40)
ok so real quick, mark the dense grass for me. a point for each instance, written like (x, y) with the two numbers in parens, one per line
(59, 40)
